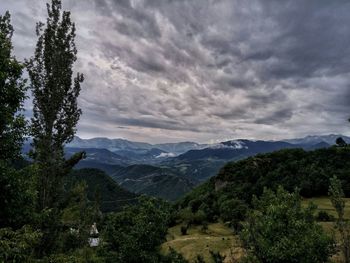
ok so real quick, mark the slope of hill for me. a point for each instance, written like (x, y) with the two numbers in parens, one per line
(112, 196)
(99, 155)
(197, 170)
(310, 171)
(105, 167)
(154, 181)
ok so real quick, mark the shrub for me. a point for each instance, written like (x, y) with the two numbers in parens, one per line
(184, 230)
(323, 216)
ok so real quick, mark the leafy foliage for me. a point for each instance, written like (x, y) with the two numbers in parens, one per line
(17, 196)
(173, 257)
(12, 95)
(133, 235)
(280, 230)
(323, 216)
(337, 198)
(217, 257)
(18, 246)
(55, 93)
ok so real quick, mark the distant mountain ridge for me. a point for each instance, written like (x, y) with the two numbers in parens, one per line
(238, 149)
(116, 145)
(170, 170)
(314, 139)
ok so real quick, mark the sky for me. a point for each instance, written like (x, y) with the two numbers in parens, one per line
(204, 70)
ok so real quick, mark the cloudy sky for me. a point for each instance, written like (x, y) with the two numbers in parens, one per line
(205, 70)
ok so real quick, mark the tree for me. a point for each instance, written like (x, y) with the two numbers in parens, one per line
(233, 210)
(55, 93)
(173, 257)
(135, 234)
(12, 95)
(337, 198)
(280, 230)
(340, 142)
(18, 246)
(16, 197)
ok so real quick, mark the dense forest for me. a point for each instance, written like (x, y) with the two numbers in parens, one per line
(53, 213)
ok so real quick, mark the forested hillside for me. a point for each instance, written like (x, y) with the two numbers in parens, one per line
(237, 182)
(101, 188)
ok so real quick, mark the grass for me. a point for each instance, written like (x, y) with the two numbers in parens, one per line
(220, 238)
(324, 204)
(217, 238)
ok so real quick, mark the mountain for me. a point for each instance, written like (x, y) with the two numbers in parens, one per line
(107, 168)
(197, 170)
(238, 149)
(99, 156)
(112, 196)
(154, 181)
(153, 155)
(180, 147)
(315, 139)
(118, 145)
(170, 170)
(110, 144)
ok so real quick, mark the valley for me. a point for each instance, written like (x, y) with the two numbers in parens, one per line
(171, 170)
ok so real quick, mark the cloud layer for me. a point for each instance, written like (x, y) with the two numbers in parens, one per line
(166, 70)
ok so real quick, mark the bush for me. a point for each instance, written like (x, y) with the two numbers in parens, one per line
(233, 210)
(204, 227)
(323, 216)
(173, 257)
(217, 257)
(184, 230)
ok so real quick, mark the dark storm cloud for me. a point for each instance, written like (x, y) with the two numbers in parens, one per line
(276, 117)
(205, 69)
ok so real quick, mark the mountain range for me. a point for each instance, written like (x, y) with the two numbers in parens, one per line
(170, 170)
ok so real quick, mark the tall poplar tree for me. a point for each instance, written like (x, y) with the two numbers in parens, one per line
(55, 92)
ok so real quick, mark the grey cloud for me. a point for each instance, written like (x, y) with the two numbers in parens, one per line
(205, 69)
(279, 116)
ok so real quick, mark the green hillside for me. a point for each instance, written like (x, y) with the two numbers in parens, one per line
(226, 194)
(154, 181)
(112, 196)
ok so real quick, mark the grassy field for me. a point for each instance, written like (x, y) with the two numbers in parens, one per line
(217, 238)
(220, 238)
(323, 203)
